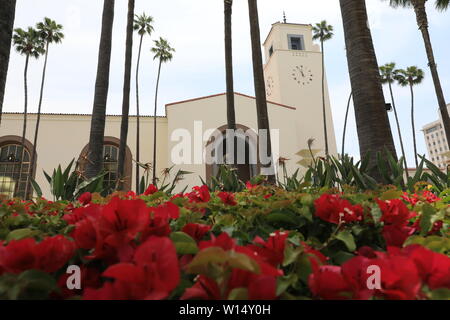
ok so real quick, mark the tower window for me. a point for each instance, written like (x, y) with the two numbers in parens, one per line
(296, 42)
(271, 51)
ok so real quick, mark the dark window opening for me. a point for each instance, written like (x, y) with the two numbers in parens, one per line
(296, 43)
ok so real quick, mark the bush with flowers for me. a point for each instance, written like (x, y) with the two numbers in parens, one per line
(261, 243)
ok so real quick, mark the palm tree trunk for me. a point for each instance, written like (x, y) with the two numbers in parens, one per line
(372, 121)
(413, 125)
(422, 21)
(231, 115)
(154, 124)
(399, 130)
(138, 118)
(24, 128)
(7, 15)
(95, 164)
(260, 90)
(38, 120)
(345, 124)
(325, 131)
(126, 95)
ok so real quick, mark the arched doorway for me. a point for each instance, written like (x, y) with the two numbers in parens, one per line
(246, 142)
(15, 167)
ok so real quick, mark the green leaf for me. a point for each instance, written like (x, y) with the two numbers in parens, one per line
(238, 294)
(341, 257)
(243, 262)
(20, 234)
(184, 243)
(347, 238)
(36, 188)
(36, 284)
(391, 195)
(376, 214)
(283, 283)
(440, 294)
(425, 221)
(200, 263)
(58, 184)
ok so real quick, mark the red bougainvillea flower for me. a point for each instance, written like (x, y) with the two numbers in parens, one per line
(227, 243)
(433, 267)
(18, 256)
(227, 198)
(250, 186)
(426, 196)
(152, 275)
(199, 194)
(334, 209)
(394, 212)
(122, 220)
(196, 231)
(328, 282)
(399, 278)
(90, 278)
(204, 289)
(315, 257)
(396, 235)
(160, 219)
(49, 255)
(152, 189)
(111, 228)
(85, 198)
(272, 250)
(223, 241)
(259, 287)
(53, 253)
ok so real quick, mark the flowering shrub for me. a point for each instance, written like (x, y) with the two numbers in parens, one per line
(261, 243)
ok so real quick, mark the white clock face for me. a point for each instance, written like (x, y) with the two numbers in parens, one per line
(302, 75)
(270, 84)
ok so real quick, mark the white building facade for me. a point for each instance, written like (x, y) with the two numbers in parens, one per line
(436, 142)
(188, 132)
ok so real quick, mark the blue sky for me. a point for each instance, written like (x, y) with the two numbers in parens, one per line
(195, 29)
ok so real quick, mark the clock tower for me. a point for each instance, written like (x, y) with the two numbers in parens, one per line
(293, 75)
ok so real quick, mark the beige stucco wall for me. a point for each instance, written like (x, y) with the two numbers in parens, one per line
(62, 138)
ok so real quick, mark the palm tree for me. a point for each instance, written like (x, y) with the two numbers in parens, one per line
(95, 155)
(260, 89)
(388, 74)
(50, 32)
(372, 121)
(345, 123)
(231, 115)
(422, 22)
(164, 53)
(126, 93)
(411, 77)
(7, 15)
(29, 44)
(323, 32)
(143, 24)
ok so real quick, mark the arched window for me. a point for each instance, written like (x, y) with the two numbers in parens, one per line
(15, 168)
(111, 163)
